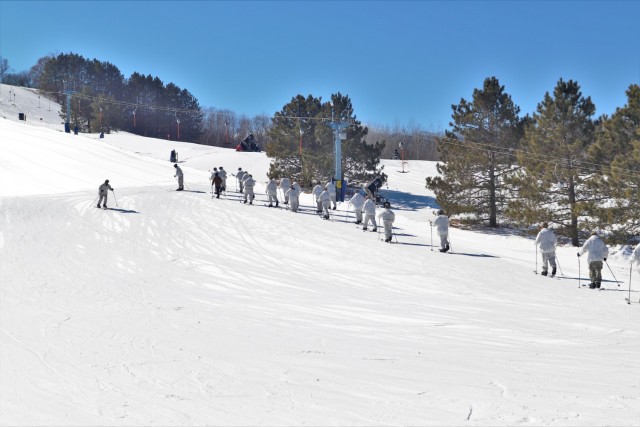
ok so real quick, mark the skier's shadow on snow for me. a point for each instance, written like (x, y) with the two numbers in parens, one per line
(473, 255)
(127, 211)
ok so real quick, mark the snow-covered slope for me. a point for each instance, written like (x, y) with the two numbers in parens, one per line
(179, 309)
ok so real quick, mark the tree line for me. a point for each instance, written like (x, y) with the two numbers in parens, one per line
(560, 165)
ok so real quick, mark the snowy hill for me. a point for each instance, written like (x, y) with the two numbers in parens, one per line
(179, 309)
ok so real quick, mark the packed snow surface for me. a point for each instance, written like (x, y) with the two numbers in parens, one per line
(176, 308)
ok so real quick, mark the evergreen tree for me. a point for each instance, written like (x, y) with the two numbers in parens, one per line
(617, 151)
(477, 154)
(554, 184)
(301, 142)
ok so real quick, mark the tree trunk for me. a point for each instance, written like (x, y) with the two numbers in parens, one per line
(493, 216)
(573, 228)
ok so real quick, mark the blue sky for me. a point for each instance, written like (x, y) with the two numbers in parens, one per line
(400, 62)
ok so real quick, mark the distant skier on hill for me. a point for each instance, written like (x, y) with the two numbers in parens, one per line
(316, 191)
(103, 192)
(272, 192)
(370, 213)
(249, 182)
(546, 239)
(357, 201)
(332, 193)
(293, 194)
(598, 252)
(223, 176)
(325, 200)
(387, 217)
(442, 227)
(217, 183)
(180, 177)
(240, 177)
(285, 184)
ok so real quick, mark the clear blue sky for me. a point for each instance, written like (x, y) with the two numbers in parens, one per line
(400, 62)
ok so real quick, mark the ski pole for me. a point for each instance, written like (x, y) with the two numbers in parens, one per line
(431, 225)
(614, 276)
(535, 249)
(94, 200)
(394, 234)
(560, 268)
(116, 200)
(347, 213)
(579, 272)
(630, 268)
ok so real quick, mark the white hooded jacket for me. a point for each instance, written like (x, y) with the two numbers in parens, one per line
(546, 239)
(272, 188)
(598, 251)
(357, 201)
(442, 224)
(369, 207)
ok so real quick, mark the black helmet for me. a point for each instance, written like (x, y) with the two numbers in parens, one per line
(440, 212)
(106, 181)
(387, 205)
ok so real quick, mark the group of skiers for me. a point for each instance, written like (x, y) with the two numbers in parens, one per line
(595, 247)
(364, 203)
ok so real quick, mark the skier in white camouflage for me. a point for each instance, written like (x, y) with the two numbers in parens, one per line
(293, 195)
(272, 193)
(369, 214)
(598, 252)
(223, 175)
(103, 193)
(547, 241)
(316, 191)
(357, 201)
(325, 200)
(249, 182)
(387, 217)
(284, 186)
(442, 228)
(331, 188)
(239, 177)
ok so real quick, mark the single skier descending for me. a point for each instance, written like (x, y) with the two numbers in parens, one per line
(103, 192)
(547, 241)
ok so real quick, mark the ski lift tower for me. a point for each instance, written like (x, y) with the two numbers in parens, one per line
(69, 92)
(339, 135)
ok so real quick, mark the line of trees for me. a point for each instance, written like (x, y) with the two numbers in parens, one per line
(559, 165)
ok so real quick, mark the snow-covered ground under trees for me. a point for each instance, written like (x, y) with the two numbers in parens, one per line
(174, 308)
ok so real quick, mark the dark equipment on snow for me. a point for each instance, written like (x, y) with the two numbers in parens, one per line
(173, 157)
(373, 187)
(248, 144)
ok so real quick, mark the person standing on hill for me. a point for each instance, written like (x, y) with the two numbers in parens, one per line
(103, 193)
(369, 214)
(325, 200)
(316, 191)
(357, 201)
(249, 182)
(546, 239)
(272, 192)
(598, 252)
(239, 177)
(217, 183)
(180, 177)
(223, 176)
(442, 228)
(387, 217)
(332, 193)
(293, 195)
(285, 184)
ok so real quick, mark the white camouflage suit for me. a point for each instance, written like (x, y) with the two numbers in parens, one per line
(357, 201)
(285, 184)
(317, 190)
(598, 252)
(249, 182)
(547, 241)
(370, 214)
(387, 217)
(332, 193)
(325, 200)
(293, 195)
(442, 228)
(272, 192)
(240, 177)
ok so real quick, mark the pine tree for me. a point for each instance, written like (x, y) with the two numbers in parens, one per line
(477, 154)
(554, 184)
(301, 142)
(617, 152)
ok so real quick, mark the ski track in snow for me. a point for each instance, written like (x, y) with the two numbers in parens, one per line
(179, 309)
